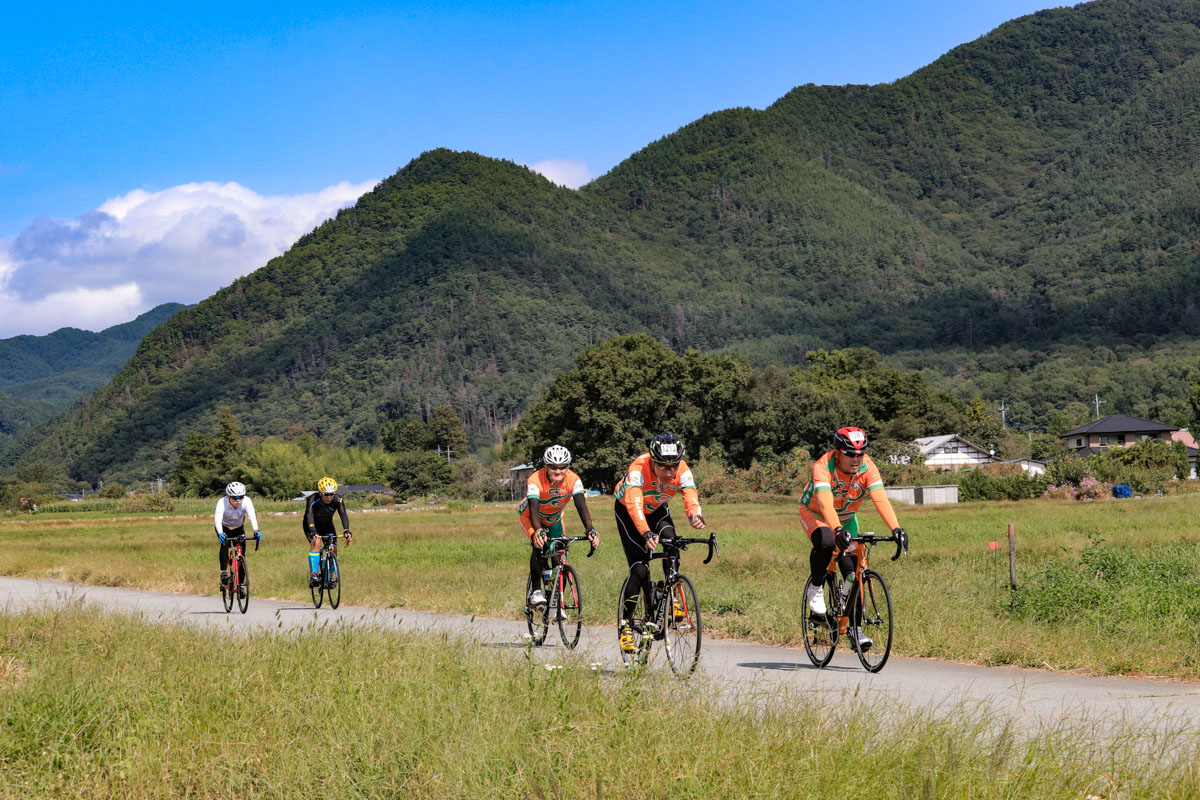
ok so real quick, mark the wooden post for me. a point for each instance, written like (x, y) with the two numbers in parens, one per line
(1012, 556)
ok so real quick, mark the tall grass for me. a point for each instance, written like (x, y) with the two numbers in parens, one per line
(951, 594)
(106, 706)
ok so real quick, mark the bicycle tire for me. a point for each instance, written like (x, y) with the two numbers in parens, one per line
(227, 593)
(875, 617)
(318, 591)
(333, 582)
(537, 620)
(820, 633)
(683, 637)
(568, 601)
(641, 652)
(242, 587)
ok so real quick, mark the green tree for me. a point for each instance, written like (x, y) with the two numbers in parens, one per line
(418, 473)
(409, 433)
(447, 430)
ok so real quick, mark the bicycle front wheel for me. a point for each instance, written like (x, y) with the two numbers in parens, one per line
(318, 591)
(640, 653)
(227, 592)
(243, 585)
(682, 618)
(567, 605)
(538, 619)
(820, 631)
(333, 582)
(875, 616)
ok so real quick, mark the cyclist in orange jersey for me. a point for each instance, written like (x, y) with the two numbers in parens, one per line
(644, 517)
(841, 479)
(541, 513)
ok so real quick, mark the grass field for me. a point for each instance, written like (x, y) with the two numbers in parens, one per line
(1110, 587)
(108, 706)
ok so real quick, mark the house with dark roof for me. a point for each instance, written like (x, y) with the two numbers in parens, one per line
(1115, 430)
(1119, 430)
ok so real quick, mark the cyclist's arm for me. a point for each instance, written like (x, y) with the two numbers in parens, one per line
(824, 495)
(585, 515)
(633, 504)
(217, 516)
(309, 519)
(248, 505)
(526, 523)
(884, 507)
(341, 509)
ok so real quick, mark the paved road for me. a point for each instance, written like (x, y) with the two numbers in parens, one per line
(1031, 698)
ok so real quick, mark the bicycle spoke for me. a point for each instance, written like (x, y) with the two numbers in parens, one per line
(680, 614)
(875, 619)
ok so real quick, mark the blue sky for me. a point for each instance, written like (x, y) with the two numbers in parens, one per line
(121, 123)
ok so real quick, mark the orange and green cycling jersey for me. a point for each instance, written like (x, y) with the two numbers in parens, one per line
(642, 494)
(833, 496)
(551, 498)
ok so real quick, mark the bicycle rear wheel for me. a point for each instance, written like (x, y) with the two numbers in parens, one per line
(637, 617)
(333, 582)
(682, 617)
(876, 621)
(318, 591)
(820, 632)
(243, 584)
(538, 619)
(566, 604)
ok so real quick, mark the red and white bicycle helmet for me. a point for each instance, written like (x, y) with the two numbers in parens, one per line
(850, 440)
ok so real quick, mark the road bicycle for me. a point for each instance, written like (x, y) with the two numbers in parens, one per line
(564, 598)
(238, 584)
(673, 614)
(329, 575)
(861, 603)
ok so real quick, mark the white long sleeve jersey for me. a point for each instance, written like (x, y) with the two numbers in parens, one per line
(230, 517)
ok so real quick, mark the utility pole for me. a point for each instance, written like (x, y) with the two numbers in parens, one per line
(1003, 415)
(439, 452)
(1098, 402)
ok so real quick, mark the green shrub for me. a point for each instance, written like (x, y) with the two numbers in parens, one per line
(160, 502)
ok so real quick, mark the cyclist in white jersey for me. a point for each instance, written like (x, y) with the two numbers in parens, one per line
(229, 519)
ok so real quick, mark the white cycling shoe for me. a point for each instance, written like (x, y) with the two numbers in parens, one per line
(816, 600)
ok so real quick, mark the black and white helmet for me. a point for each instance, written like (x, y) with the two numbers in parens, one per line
(665, 448)
(556, 456)
(235, 489)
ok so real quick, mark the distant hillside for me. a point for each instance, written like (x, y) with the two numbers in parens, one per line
(1036, 188)
(43, 375)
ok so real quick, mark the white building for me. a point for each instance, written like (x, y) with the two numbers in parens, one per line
(951, 451)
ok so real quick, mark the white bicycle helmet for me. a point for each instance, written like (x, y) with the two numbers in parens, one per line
(235, 489)
(556, 456)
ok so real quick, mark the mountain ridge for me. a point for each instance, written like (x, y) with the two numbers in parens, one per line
(991, 198)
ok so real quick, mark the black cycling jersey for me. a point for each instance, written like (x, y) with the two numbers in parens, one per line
(318, 515)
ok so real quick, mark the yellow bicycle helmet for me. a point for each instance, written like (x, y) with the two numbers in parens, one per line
(327, 485)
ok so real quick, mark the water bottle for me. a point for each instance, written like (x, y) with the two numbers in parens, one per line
(546, 579)
(847, 588)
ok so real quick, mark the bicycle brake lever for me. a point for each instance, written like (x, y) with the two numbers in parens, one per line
(256, 543)
(591, 550)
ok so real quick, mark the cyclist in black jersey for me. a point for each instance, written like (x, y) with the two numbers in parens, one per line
(318, 521)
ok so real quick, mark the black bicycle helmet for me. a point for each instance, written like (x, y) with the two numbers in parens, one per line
(850, 440)
(665, 448)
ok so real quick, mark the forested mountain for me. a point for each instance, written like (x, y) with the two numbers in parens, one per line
(43, 375)
(1033, 189)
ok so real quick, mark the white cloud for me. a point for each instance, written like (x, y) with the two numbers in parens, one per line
(144, 248)
(572, 174)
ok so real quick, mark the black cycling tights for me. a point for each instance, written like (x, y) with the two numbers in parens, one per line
(636, 553)
(822, 550)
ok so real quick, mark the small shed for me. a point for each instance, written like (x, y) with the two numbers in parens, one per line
(941, 494)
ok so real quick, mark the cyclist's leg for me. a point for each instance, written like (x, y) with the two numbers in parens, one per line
(314, 545)
(661, 523)
(636, 556)
(223, 555)
(846, 563)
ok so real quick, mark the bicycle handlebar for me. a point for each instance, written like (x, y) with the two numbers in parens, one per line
(568, 539)
(870, 538)
(681, 543)
(242, 539)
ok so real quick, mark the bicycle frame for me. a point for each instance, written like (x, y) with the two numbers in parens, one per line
(557, 552)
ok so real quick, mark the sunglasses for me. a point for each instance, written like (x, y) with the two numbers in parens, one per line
(236, 496)
(326, 494)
